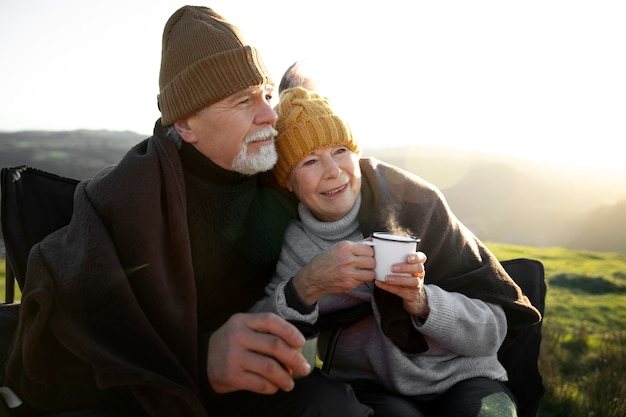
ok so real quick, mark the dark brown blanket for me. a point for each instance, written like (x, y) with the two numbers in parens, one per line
(139, 277)
(395, 200)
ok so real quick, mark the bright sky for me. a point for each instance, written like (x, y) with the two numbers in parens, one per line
(537, 78)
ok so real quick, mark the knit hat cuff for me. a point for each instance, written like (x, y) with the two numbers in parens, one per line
(300, 139)
(211, 80)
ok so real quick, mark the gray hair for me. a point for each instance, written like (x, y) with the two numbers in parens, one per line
(172, 133)
(295, 76)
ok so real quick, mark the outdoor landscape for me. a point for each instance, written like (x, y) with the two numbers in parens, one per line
(499, 198)
(573, 222)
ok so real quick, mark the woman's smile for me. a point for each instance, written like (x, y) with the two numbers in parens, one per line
(333, 193)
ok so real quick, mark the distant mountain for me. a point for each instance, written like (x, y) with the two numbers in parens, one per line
(501, 199)
(76, 154)
(508, 200)
(603, 229)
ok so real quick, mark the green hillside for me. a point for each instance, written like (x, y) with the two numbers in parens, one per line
(584, 287)
(583, 354)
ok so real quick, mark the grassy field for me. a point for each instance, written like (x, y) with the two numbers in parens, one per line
(583, 352)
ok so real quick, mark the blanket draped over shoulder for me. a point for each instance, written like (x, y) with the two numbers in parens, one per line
(139, 277)
(395, 200)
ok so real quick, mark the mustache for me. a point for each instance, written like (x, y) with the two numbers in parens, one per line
(267, 133)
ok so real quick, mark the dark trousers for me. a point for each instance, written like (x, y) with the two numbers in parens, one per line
(94, 412)
(477, 397)
(313, 396)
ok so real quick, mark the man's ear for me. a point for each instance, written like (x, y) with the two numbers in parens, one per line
(185, 131)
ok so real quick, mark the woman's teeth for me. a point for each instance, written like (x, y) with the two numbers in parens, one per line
(335, 191)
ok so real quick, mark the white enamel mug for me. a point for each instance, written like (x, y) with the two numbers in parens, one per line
(390, 249)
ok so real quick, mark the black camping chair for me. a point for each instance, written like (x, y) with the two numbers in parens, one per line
(519, 355)
(33, 204)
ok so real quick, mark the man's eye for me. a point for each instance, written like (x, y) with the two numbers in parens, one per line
(309, 162)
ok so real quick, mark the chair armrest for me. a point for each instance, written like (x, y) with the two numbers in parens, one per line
(337, 321)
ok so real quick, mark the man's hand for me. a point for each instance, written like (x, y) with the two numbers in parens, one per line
(256, 352)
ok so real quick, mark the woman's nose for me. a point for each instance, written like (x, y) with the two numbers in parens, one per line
(332, 168)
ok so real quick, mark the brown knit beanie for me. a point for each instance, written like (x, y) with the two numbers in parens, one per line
(306, 122)
(204, 60)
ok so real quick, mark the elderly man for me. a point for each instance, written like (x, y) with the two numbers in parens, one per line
(134, 308)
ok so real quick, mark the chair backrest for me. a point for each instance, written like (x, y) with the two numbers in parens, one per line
(519, 357)
(33, 204)
(519, 354)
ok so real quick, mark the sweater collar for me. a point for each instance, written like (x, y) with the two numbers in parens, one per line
(336, 230)
(199, 165)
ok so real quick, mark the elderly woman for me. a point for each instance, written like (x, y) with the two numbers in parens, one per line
(429, 349)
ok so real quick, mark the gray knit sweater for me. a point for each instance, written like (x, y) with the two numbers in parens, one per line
(463, 334)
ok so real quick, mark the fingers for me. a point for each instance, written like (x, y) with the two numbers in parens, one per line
(255, 352)
(414, 265)
(273, 324)
(273, 343)
(416, 258)
(404, 281)
(411, 290)
(338, 269)
(407, 288)
(251, 372)
(361, 254)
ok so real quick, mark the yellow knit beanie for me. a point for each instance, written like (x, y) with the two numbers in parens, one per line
(204, 59)
(306, 122)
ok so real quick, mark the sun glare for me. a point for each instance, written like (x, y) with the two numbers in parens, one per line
(541, 80)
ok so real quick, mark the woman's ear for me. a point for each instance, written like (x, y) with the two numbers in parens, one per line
(288, 185)
(185, 131)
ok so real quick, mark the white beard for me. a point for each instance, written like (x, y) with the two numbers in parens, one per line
(263, 161)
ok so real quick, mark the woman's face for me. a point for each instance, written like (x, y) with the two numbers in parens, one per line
(327, 182)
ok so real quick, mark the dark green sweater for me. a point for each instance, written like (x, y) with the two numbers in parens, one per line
(236, 229)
